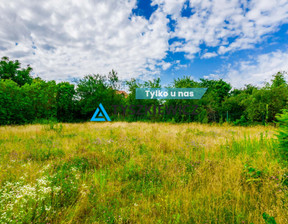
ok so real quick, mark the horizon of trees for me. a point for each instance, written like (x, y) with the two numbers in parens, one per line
(24, 99)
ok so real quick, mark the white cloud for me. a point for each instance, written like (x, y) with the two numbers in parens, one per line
(209, 55)
(257, 71)
(74, 38)
(166, 65)
(228, 25)
(212, 76)
(62, 39)
(171, 7)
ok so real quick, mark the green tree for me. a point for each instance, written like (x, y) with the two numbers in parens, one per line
(216, 94)
(94, 89)
(279, 80)
(184, 82)
(15, 104)
(278, 97)
(113, 79)
(283, 134)
(65, 101)
(42, 95)
(148, 104)
(12, 70)
(264, 103)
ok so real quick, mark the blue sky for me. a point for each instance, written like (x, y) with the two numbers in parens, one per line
(204, 67)
(214, 67)
(239, 41)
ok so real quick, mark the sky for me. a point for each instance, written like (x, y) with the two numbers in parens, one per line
(241, 42)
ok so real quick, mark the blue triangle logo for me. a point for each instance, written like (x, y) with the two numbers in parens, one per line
(98, 115)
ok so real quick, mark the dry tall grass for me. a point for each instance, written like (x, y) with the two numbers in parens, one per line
(118, 172)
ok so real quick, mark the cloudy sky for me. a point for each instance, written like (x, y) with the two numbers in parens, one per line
(240, 41)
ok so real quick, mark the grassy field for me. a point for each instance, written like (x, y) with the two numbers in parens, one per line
(141, 173)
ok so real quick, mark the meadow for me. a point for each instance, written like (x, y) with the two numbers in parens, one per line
(118, 172)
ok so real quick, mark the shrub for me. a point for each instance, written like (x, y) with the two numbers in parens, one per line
(283, 134)
(268, 219)
(242, 121)
(252, 176)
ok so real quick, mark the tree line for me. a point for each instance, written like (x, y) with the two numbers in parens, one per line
(24, 99)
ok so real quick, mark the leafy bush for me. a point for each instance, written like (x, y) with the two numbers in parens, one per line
(242, 121)
(268, 219)
(252, 176)
(283, 134)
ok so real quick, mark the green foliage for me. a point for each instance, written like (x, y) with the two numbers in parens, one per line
(279, 80)
(39, 100)
(263, 104)
(12, 70)
(268, 219)
(251, 174)
(65, 101)
(113, 79)
(95, 89)
(131, 99)
(15, 104)
(283, 134)
(242, 121)
(43, 97)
